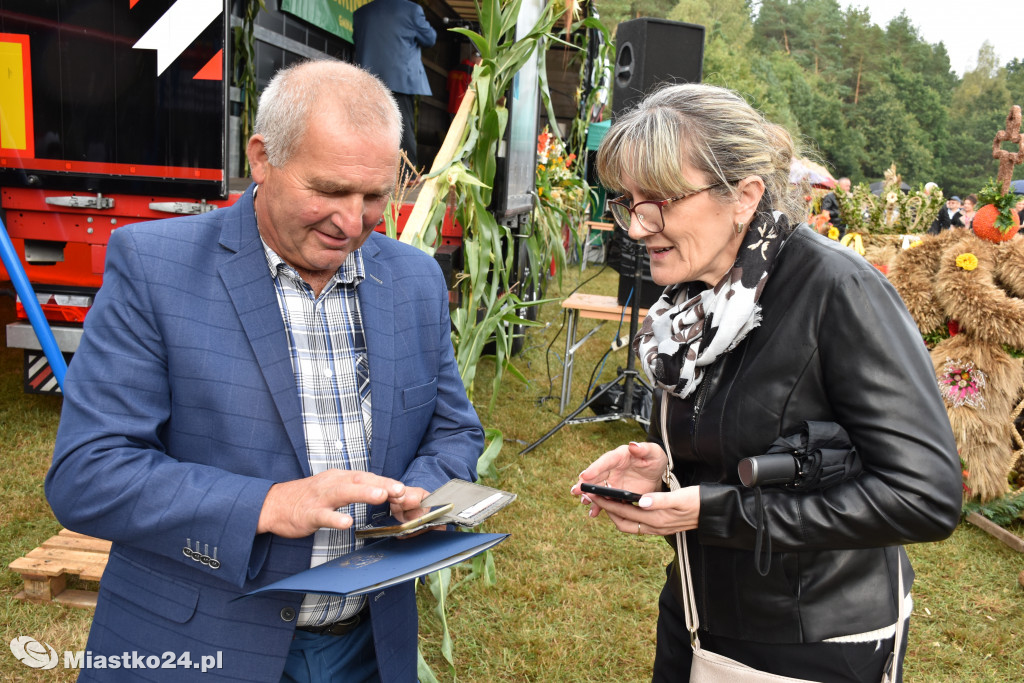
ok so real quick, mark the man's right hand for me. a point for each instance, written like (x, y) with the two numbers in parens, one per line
(296, 509)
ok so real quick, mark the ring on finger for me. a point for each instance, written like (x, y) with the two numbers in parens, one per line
(638, 528)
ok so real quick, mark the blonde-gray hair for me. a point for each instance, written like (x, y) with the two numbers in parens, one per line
(297, 91)
(709, 129)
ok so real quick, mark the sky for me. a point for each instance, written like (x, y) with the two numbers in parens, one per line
(961, 26)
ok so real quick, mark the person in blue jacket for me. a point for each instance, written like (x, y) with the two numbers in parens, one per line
(253, 383)
(388, 35)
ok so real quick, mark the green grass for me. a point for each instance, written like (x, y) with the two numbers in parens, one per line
(574, 601)
(28, 424)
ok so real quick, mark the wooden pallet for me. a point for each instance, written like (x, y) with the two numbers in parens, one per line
(45, 569)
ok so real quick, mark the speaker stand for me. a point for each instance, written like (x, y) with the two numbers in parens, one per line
(627, 376)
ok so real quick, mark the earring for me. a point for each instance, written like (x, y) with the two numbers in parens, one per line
(739, 227)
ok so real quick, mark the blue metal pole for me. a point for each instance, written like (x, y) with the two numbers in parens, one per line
(35, 312)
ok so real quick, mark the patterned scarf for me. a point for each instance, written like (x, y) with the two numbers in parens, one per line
(685, 332)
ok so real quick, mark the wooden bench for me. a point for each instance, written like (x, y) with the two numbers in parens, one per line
(45, 569)
(595, 307)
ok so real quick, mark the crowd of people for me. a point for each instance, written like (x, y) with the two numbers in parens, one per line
(956, 213)
(959, 213)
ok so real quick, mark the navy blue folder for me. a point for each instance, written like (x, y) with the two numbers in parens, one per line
(387, 562)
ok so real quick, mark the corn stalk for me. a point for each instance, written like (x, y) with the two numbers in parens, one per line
(243, 65)
(490, 292)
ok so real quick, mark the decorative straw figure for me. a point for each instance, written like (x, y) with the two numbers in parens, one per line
(973, 283)
(1007, 160)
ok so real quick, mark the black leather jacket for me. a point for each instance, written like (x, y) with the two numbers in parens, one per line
(830, 204)
(835, 344)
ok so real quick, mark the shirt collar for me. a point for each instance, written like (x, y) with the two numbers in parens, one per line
(352, 271)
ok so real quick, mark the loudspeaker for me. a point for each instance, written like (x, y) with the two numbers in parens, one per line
(614, 399)
(650, 52)
(650, 291)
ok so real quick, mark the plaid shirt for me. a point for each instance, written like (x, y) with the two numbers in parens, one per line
(328, 352)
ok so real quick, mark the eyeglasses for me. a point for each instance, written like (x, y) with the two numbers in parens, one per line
(648, 213)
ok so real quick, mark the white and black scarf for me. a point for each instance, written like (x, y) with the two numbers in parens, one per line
(686, 330)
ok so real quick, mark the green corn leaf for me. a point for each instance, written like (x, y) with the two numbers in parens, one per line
(423, 671)
(490, 571)
(489, 14)
(485, 463)
(440, 582)
(511, 16)
(481, 44)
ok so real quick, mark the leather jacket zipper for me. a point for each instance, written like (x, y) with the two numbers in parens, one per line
(698, 405)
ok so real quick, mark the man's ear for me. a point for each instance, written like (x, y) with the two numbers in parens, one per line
(750, 190)
(256, 152)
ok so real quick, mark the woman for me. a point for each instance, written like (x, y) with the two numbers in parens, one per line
(967, 211)
(764, 326)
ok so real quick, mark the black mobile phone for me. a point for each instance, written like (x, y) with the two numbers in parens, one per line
(614, 494)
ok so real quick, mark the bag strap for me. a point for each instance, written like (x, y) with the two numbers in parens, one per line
(682, 554)
(690, 602)
(889, 673)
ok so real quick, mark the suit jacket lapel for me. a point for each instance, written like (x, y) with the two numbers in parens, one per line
(247, 278)
(377, 307)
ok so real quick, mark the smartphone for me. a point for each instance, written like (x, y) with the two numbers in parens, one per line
(389, 526)
(614, 494)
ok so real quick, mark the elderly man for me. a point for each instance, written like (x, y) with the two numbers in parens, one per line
(949, 216)
(253, 383)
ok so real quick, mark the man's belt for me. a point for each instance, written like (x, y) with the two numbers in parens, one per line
(339, 628)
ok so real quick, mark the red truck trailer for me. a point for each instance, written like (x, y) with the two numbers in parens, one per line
(119, 111)
(112, 112)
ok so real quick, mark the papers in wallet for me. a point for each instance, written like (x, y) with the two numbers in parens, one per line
(389, 526)
(473, 503)
(458, 502)
(386, 563)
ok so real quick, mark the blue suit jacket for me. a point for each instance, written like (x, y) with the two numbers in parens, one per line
(181, 411)
(388, 35)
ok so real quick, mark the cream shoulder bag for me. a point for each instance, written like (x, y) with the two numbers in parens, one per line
(709, 667)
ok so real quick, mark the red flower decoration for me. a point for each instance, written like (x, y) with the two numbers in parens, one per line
(542, 141)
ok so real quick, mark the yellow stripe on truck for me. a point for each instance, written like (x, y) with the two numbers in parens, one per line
(12, 97)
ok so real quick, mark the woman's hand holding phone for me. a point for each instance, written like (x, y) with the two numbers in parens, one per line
(632, 474)
(634, 467)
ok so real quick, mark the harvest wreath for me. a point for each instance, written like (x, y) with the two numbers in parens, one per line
(965, 291)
